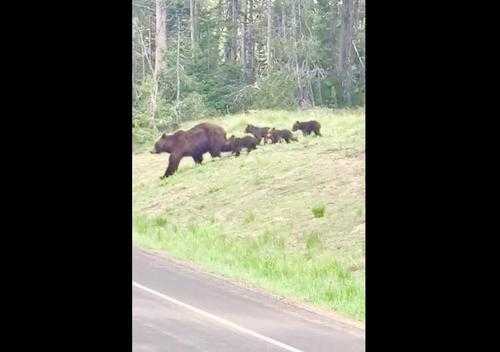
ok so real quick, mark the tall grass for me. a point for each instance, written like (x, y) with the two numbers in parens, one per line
(312, 275)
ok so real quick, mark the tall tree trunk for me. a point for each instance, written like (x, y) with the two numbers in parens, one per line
(345, 51)
(269, 32)
(135, 56)
(161, 46)
(302, 96)
(333, 37)
(178, 93)
(146, 57)
(320, 93)
(311, 94)
(161, 35)
(151, 42)
(227, 15)
(248, 42)
(192, 20)
(283, 19)
(231, 46)
(360, 24)
(143, 68)
(245, 38)
(241, 32)
(299, 18)
(355, 15)
(296, 58)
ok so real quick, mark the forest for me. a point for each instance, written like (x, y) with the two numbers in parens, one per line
(287, 216)
(194, 59)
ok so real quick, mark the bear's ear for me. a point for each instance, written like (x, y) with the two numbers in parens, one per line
(164, 135)
(297, 121)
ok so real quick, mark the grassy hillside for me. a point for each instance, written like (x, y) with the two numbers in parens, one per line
(287, 218)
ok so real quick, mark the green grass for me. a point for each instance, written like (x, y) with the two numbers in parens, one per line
(286, 218)
(318, 211)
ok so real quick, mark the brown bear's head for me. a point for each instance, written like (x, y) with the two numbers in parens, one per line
(231, 141)
(164, 144)
(274, 135)
(249, 128)
(296, 126)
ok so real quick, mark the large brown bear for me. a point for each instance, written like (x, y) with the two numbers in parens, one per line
(202, 138)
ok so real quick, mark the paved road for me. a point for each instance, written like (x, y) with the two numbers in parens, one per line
(176, 308)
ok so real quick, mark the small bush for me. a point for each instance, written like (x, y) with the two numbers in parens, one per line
(250, 217)
(143, 137)
(318, 211)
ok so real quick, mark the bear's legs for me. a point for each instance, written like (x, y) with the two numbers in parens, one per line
(215, 152)
(173, 164)
(198, 159)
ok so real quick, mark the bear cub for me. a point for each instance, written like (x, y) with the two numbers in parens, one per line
(307, 127)
(276, 136)
(237, 144)
(258, 132)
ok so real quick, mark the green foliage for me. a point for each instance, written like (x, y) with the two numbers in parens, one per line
(318, 211)
(221, 87)
(193, 107)
(142, 136)
(142, 96)
(303, 61)
(275, 91)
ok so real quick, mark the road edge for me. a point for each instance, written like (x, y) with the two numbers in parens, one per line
(294, 303)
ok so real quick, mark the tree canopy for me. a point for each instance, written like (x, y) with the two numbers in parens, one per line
(196, 58)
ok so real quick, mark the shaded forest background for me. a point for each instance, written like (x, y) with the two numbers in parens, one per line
(198, 58)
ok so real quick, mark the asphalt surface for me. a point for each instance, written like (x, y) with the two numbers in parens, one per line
(178, 308)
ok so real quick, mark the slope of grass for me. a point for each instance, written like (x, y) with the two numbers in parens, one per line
(287, 218)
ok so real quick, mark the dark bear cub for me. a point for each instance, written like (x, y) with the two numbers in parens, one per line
(258, 132)
(276, 136)
(307, 127)
(237, 144)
